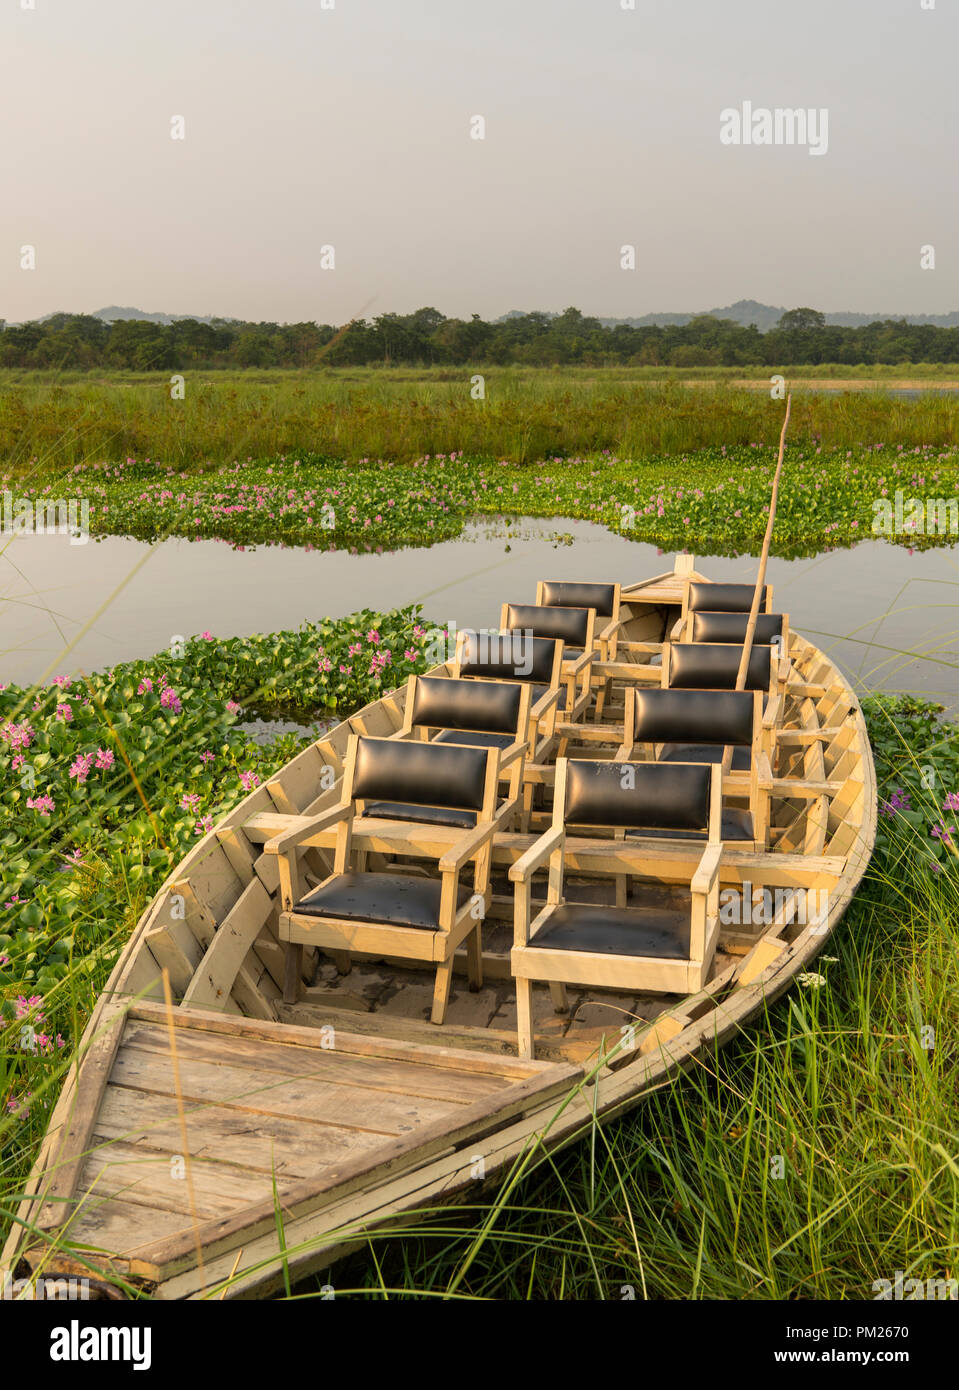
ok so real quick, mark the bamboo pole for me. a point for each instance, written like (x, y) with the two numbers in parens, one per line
(760, 578)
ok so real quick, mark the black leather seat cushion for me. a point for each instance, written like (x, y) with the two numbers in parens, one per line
(619, 931)
(694, 716)
(540, 690)
(427, 774)
(387, 899)
(715, 666)
(475, 740)
(565, 593)
(507, 656)
(725, 598)
(637, 794)
(731, 627)
(421, 815)
(571, 624)
(443, 702)
(735, 825)
(705, 753)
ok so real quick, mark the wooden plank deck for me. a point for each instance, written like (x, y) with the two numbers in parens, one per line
(244, 1112)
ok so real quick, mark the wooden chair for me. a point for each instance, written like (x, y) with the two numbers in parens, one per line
(537, 661)
(395, 914)
(696, 726)
(475, 714)
(667, 947)
(576, 628)
(605, 600)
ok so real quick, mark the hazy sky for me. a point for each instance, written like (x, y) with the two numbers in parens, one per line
(350, 126)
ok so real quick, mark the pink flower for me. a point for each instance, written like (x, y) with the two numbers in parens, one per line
(43, 804)
(203, 825)
(207, 756)
(373, 636)
(64, 682)
(411, 654)
(171, 700)
(190, 801)
(64, 713)
(17, 735)
(249, 780)
(951, 802)
(354, 649)
(145, 686)
(232, 707)
(104, 759)
(80, 767)
(207, 636)
(325, 664)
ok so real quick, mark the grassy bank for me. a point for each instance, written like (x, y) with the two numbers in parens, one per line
(679, 1200)
(401, 415)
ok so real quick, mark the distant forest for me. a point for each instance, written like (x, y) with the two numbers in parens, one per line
(426, 337)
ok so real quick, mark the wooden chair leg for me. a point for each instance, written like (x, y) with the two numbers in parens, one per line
(600, 702)
(474, 958)
(558, 993)
(527, 808)
(524, 1018)
(441, 991)
(343, 961)
(293, 966)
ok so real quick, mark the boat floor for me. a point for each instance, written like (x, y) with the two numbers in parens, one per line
(387, 999)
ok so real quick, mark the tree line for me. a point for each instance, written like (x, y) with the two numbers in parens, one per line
(427, 337)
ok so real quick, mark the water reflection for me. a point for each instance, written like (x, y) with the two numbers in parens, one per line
(890, 618)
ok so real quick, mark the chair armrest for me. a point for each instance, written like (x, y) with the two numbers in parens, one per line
(771, 713)
(609, 631)
(766, 779)
(537, 855)
(509, 755)
(464, 849)
(321, 821)
(707, 871)
(573, 668)
(545, 702)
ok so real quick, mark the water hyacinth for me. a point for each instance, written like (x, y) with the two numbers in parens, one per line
(827, 496)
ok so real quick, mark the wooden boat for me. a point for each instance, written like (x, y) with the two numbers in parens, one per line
(225, 1139)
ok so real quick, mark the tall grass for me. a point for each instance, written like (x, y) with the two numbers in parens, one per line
(403, 414)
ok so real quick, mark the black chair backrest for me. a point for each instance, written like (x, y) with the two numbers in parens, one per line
(488, 707)
(424, 774)
(694, 716)
(724, 598)
(715, 666)
(731, 627)
(562, 593)
(657, 796)
(508, 656)
(572, 624)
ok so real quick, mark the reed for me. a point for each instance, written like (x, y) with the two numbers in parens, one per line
(403, 414)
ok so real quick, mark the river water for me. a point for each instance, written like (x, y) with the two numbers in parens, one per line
(890, 618)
